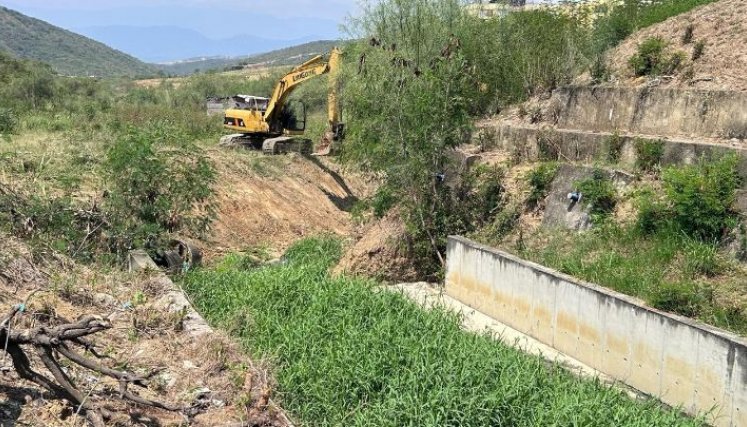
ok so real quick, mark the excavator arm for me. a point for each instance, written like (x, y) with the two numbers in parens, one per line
(308, 70)
(258, 125)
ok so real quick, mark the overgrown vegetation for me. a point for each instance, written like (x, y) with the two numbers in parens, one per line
(127, 170)
(599, 194)
(698, 200)
(652, 59)
(648, 153)
(540, 179)
(350, 353)
(670, 254)
(423, 69)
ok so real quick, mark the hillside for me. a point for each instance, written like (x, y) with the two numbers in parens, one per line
(286, 56)
(720, 27)
(68, 53)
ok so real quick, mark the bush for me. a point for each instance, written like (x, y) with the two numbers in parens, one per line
(615, 145)
(702, 196)
(648, 153)
(598, 192)
(687, 36)
(8, 121)
(160, 183)
(652, 59)
(540, 179)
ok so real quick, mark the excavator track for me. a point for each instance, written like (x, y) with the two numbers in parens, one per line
(287, 144)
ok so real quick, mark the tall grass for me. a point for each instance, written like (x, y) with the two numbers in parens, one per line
(348, 353)
(669, 270)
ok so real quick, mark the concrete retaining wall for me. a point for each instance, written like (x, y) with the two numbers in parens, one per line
(682, 362)
(685, 113)
(526, 142)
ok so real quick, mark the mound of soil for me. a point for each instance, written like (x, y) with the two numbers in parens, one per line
(380, 251)
(722, 26)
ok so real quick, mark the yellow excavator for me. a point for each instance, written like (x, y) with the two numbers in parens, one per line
(275, 125)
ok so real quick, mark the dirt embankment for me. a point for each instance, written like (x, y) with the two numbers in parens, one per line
(722, 26)
(270, 202)
(205, 374)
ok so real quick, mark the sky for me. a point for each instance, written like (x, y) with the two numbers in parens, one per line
(213, 18)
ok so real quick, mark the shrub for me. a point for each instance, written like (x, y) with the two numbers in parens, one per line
(653, 214)
(648, 153)
(160, 183)
(540, 179)
(653, 60)
(383, 200)
(698, 50)
(614, 147)
(701, 197)
(599, 70)
(8, 121)
(648, 60)
(687, 36)
(599, 194)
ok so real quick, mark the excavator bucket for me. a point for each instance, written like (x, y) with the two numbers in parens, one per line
(324, 148)
(330, 140)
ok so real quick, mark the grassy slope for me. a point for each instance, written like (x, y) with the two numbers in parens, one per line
(67, 52)
(349, 353)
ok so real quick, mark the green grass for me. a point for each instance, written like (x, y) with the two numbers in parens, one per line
(668, 270)
(347, 352)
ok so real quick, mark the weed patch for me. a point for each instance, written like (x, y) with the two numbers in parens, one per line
(648, 153)
(350, 353)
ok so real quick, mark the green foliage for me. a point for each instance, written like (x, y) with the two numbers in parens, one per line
(686, 298)
(648, 153)
(653, 60)
(599, 193)
(160, 183)
(633, 15)
(670, 270)
(615, 145)
(540, 179)
(347, 352)
(701, 197)
(8, 121)
(383, 200)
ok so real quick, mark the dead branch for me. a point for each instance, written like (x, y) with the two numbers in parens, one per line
(50, 343)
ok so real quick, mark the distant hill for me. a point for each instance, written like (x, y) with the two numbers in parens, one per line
(172, 43)
(287, 56)
(68, 53)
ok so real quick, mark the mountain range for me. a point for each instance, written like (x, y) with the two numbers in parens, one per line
(68, 53)
(162, 44)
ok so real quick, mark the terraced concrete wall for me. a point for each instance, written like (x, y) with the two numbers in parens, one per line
(572, 145)
(685, 113)
(680, 361)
